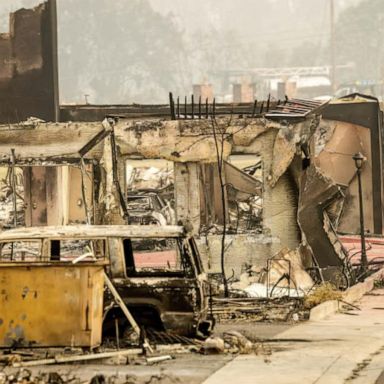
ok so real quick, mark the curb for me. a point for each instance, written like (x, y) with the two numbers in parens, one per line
(354, 293)
(323, 310)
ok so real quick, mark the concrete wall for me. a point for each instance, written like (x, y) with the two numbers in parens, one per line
(242, 249)
(28, 65)
(280, 201)
(184, 141)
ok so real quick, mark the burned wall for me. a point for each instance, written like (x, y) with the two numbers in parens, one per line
(335, 160)
(190, 145)
(354, 124)
(242, 250)
(28, 70)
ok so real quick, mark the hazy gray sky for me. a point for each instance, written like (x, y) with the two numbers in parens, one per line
(191, 38)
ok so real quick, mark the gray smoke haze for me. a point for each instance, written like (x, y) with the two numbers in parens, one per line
(126, 51)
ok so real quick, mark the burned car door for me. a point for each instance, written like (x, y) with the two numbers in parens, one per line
(160, 286)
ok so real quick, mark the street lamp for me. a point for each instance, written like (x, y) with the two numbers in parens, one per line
(359, 160)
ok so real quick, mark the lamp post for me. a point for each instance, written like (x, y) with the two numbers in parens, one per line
(359, 160)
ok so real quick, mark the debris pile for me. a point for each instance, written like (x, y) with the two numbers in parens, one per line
(284, 275)
(321, 293)
(234, 342)
(27, 358)
(139, 178)
(25, 376)
(259, 309)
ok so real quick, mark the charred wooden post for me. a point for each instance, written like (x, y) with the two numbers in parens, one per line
(192, 107)
(254, 108)
(172, 106)
(185, 107)
(13, 181)
(116, 178)
(268, 102)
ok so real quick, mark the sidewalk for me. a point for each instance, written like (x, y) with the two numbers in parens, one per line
(344, 348)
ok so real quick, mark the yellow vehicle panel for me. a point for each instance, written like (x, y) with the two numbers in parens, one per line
(51, 304)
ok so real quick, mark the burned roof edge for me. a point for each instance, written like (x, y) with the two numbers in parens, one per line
(92, 231)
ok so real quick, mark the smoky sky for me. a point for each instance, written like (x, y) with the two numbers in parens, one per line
(126, 51)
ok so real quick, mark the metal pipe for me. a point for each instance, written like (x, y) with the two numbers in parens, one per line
(359, 159)
(364, 260)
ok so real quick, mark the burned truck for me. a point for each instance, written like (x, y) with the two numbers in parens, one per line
(156, 271)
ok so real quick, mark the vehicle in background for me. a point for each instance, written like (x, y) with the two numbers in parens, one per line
(149, 207)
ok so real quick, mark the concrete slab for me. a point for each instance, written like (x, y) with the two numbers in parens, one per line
(323, 310)
(330, 350)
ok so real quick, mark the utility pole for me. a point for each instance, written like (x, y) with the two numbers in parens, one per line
(332, 45)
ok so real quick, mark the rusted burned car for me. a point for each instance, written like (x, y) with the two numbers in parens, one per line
(156, 270)
(148, 207)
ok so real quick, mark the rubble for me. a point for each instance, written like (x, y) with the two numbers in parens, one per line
(25, 376)
(233, 342)
(238, 343)
(322, 293)
(284, 275)
(148, 178)
(213, 345)
(259, 309)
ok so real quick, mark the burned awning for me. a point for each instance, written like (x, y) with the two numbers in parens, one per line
(296, 109)
(37, 143)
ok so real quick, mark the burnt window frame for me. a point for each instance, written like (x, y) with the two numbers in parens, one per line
(47, 242)
(187, 261)
(39, 258)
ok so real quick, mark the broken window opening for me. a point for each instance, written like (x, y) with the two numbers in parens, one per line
(243, 176)
(7, 211)
(75, 250)
(150, 191)
(26, 250)
(156, 257)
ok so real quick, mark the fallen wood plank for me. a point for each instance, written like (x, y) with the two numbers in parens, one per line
(158, 359)
(122, 305)
(76, 358)
(126, 311)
